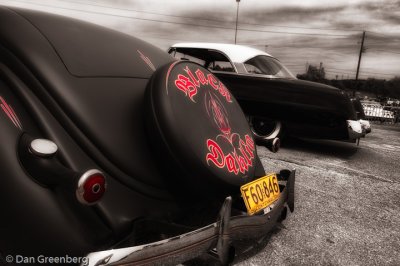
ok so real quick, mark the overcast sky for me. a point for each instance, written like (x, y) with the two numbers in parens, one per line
(296, 32)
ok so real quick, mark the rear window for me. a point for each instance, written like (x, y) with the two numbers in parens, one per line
(211, 59)
(266, 65)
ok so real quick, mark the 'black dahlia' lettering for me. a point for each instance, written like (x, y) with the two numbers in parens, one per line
(190, 83)
(238, 160)
(227, 149)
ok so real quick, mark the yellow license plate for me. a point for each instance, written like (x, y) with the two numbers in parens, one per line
(260, 193)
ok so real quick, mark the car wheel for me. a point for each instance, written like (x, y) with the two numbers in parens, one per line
(198, 130)
(264, 128)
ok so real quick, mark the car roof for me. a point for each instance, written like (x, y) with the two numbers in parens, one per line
(236, 53)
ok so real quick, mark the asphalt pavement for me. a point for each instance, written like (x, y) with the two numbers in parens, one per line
(347, 206)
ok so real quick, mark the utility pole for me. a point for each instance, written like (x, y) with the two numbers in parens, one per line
(359, 59)
(359, 56)
(237, 18)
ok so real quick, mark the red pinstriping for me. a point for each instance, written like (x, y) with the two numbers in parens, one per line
(9, 111)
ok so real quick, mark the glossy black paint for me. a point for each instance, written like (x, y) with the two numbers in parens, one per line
(306, 108)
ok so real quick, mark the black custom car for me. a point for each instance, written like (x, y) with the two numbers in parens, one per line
(109, 155)
(273, 99)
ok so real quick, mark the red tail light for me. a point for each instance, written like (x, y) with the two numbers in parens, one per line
(91, 187)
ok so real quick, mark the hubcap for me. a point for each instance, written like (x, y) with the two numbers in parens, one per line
(265, 128)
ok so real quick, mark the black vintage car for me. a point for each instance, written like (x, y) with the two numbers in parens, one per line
(274, 100)
(113, 153)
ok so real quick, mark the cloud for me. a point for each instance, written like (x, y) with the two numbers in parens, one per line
(288, 15)
(316, 31)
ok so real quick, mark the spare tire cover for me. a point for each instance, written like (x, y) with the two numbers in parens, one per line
(199, 128)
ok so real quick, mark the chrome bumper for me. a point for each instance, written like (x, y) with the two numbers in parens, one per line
(365, 125)
(215, 238)
(354, 129)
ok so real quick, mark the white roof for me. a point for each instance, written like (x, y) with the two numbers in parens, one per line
(236, 53)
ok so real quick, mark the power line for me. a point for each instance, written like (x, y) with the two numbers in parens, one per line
(385, 51)
(323, 43)
(353, 74)
(292, 46)
(331, 51)
(296, 33)
(339, 72)
(120, 16)
(379, 42)
(302, 65)
(169, 39)
(297, 27)
(145, 12)
(378, 33)
(157, 37)
(388, 74)
(361, 71)
(199, 25)
(173, 22)
(376, 43)
(393, 38)
(340, 69)
(213, 20)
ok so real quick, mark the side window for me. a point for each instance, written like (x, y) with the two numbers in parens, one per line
(253, 69)
(262, 65)
(224, 66)
(182, 56)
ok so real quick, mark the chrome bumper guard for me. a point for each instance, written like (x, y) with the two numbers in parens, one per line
(354, 129)
(214, 238)
(365, 125)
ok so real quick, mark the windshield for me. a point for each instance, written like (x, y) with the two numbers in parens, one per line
(266, 65)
